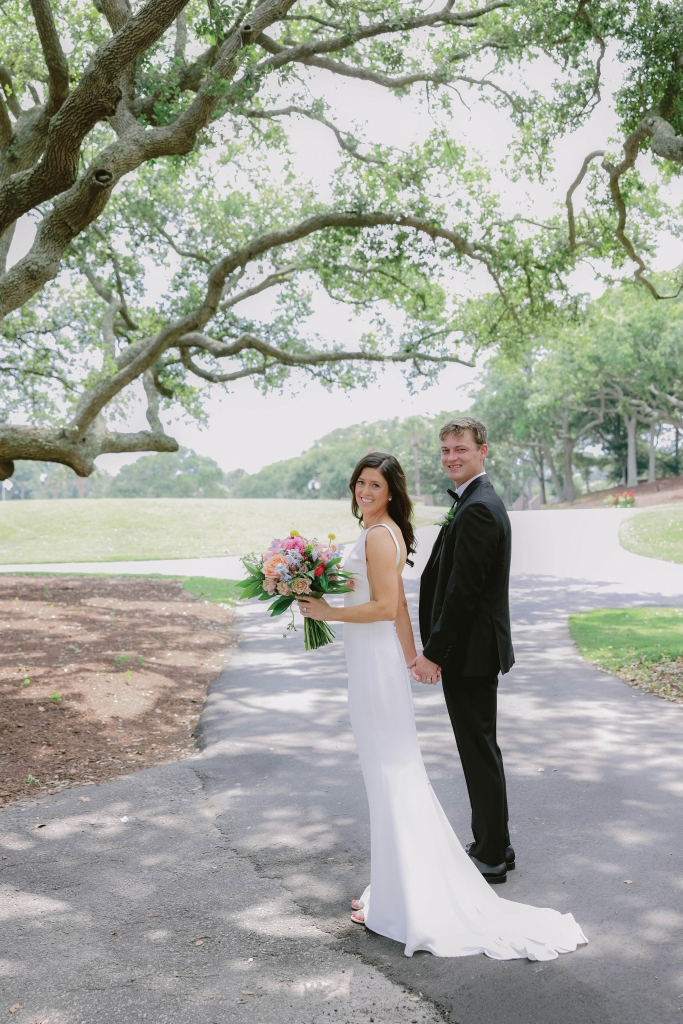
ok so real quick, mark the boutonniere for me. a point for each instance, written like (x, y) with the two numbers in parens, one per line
(448, 517)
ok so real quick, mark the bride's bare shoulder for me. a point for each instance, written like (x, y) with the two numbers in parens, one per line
(396, 531)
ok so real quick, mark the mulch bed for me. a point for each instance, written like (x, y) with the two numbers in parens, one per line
(663, 678)
(100, 676)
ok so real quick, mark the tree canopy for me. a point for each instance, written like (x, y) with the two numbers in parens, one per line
(157, 135)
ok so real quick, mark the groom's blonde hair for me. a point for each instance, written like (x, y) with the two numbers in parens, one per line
(462, 423)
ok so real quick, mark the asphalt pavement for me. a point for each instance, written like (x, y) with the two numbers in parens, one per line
(595, 771)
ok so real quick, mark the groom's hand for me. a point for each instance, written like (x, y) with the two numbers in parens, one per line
(424, 671)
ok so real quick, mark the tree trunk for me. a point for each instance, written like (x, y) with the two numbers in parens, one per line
(416, 465)
(559, 490)
(651, 474)
(541, 477)
(568, 451)
(631, 464)
(678, 470)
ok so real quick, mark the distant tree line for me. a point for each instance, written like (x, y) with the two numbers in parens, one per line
(331, 459)
(181, 474)
(186, 475)
(601, 403)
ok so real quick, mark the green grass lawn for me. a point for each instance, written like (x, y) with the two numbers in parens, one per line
(124, 529)
(644, 646)
(218, 591)
(657, 533)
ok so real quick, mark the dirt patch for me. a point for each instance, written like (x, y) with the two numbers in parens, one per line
(100, 677)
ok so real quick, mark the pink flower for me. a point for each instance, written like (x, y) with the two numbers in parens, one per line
(269, 585)
(301, 586)
(283, 587)
(293, 544)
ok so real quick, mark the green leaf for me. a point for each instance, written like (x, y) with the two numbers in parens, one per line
(282, 604)
(243, 584)
(251, 591)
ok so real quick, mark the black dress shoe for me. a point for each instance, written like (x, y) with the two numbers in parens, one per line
(509, 856)
(495, 874)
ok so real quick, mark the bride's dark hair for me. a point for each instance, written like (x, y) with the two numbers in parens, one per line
(400, 506)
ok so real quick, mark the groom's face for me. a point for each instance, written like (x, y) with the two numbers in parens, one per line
(461, 458)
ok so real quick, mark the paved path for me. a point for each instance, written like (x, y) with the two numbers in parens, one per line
(218, 568)
(135, 905)
(280, 764)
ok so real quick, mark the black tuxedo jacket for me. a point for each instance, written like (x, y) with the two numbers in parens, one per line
(464, 604)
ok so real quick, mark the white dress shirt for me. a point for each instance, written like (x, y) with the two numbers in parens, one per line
(459, 490)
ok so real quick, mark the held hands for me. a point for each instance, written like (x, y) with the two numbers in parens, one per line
(315, 608)
(424, 671)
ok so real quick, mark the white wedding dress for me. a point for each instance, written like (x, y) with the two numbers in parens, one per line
(424, 890)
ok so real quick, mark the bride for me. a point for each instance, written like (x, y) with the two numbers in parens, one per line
(424, 890)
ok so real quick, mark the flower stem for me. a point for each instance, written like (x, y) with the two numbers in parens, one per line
(317, 634)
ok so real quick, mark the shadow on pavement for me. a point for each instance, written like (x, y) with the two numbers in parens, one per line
(595, 774)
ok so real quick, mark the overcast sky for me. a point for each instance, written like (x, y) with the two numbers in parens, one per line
(249, 430)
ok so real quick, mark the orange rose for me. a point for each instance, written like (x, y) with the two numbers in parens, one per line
(272, 565)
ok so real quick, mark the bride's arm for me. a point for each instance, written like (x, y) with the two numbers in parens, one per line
(383, 606)
(404, 627)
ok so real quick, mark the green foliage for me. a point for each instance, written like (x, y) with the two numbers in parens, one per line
(181, 474)
(656, 533)
(576, 389)
(332, 458)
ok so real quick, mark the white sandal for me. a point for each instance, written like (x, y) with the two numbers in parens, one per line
(358, 917)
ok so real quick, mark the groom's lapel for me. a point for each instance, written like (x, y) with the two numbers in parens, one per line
(467, 495)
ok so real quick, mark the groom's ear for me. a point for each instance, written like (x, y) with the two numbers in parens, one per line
(484, 450)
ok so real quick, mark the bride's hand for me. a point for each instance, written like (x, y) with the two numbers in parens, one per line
(315, 608)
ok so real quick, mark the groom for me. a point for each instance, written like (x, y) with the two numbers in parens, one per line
(465, 629)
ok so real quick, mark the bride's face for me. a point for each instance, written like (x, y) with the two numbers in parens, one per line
(372, 491)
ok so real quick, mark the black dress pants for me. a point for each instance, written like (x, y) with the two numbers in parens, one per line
(472, 707)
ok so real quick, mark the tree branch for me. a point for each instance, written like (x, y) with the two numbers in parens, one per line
(181, 252)
(6, 129)
(55, 59)
(105, 294)
(305, 51)
(268, 282)
(96, 96)
(346, 141)
(7, 83)
(274, 239)
(180, 42)
(569, 200)
(583, 14)
(51, 445)
(246, 341)
(82, 203)
(665, 143)
(149, 384)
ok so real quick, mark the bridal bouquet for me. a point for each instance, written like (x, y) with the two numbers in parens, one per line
(294, 568)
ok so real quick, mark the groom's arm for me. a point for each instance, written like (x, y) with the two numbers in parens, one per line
(475, 550)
